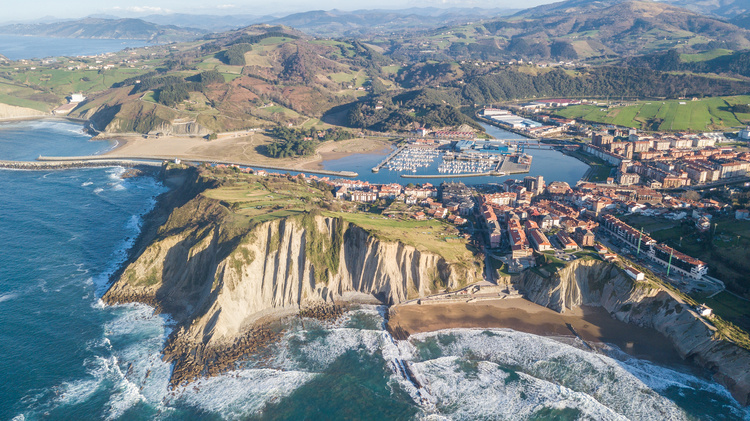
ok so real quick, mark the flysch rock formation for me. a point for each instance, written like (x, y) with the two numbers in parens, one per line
(218, 277)
(596, 283)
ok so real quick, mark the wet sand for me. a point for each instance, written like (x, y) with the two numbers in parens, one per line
(593, 324)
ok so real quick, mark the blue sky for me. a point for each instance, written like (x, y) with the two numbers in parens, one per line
(37, 9)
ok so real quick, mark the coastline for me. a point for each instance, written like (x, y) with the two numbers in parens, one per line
(593, 324)
(192, 148)
(241, 150)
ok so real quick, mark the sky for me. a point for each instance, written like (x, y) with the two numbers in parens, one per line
(41, 9)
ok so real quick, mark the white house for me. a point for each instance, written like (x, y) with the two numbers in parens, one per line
(635, 274)
(704, 310)
(74, 98)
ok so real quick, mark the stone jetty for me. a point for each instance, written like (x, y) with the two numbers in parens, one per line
(92, 163)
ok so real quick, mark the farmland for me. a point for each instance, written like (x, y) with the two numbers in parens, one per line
(698, 115)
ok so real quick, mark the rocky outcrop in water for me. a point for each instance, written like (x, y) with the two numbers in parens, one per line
(219, 277)
(592, 282)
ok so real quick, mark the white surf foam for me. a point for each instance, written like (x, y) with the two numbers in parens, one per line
(8, 296)
(549, 371)
(251, 390)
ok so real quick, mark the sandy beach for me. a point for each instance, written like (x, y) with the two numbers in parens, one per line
(593, 324)
(238, 149)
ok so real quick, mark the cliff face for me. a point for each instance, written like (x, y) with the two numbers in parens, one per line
(590, 282)
(10, 111)
(217, 277)
(116, 111)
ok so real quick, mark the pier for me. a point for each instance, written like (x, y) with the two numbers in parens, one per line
(389, 158)
(507, 166)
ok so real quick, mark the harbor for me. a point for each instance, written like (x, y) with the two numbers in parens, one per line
(463, 158)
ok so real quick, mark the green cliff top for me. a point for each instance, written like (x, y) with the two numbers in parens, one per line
(253, 199)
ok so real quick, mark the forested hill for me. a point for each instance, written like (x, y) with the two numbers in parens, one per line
(723, 62)
(597, 82)
(105, 29)
(577, 30)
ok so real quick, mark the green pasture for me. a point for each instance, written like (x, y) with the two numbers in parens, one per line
(700, 115)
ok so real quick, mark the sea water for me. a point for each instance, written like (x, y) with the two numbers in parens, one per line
(65, 355)
(17, 47)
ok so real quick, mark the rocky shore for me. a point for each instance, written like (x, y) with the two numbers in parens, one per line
(220, 280)
(596, 283)
(194, 360)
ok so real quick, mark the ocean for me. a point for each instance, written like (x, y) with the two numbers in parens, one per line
(17, 47)
(65, 355)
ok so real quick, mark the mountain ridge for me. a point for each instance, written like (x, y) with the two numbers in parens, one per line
(96, 28)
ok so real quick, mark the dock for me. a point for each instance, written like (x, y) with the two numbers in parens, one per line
(388, 158)
(507, 166)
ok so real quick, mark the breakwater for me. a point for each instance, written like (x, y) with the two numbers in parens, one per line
(195, 161)
(59, 165)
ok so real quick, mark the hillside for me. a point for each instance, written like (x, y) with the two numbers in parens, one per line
(579, 30)
(624, 28)
(724, 8)
(338, 23)
(105, 29)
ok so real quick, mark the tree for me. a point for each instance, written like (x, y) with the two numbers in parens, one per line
(691, 195)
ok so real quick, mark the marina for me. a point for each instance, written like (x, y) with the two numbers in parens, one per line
(464, 158)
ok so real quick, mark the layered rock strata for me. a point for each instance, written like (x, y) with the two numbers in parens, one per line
(219, 276)
(592, 282)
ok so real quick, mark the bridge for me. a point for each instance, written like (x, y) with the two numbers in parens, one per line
(720, 183)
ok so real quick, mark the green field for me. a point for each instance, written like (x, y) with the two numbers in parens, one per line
(708, 55)
(729, 307)
(599, 169)
(258, 199)
(700, 115)
(431, 235)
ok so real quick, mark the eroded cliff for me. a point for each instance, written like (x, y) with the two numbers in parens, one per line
(217, 274)
(593, 282)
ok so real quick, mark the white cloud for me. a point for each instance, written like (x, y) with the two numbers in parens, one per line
(226, 6)
(143, 9)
